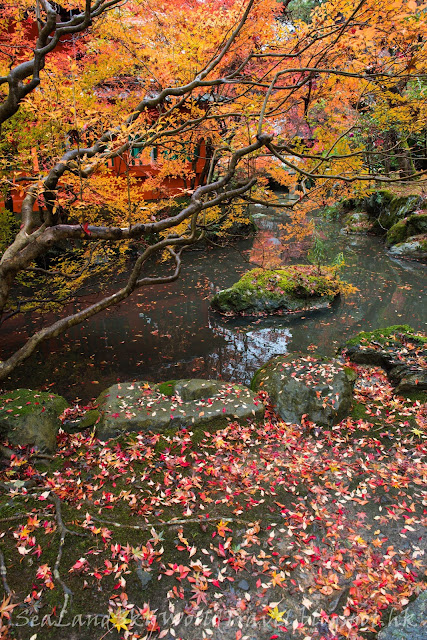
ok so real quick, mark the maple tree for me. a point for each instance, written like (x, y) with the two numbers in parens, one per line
(136, 83)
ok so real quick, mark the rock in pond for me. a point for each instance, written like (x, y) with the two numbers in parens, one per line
(291, 289)
(386, 208)
(320, 388)
(31, 418)
(411, 624)
(143, 406)
(398, 349)
(414, 248)
(357, 222)
(413, 225)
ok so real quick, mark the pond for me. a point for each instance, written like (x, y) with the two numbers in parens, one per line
(167, 332)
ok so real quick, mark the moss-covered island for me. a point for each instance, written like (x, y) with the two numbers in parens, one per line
(291, 289)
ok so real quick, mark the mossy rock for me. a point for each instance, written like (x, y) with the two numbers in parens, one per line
(142, 406)
(357, 222)
(31, 418)
(351, 204)
(294, 288)
(413, 225)
(386, 336)
(417, 223)
(413, 248)
(319, 388)
(387, 208)
(399, 350)
(397, 233)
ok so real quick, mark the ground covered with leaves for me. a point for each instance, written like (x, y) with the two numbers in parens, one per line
(264, 530)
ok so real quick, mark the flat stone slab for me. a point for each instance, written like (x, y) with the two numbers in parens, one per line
(411, 624)
(143, 406)
(414, 247)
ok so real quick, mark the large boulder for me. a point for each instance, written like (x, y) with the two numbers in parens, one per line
(402, 217)
(31, 418)
(292, 289)
(398, 349)
(141, 406)
(411, 624)
(413, 225)
(386, 208)
(319, 388)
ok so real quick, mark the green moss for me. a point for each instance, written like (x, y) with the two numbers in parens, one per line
(385, 335)
(414, 396)
(350, 373)
(411, 226)
(167, 388)
(9, 507)
(50, 466)
(417, 224)
(25, 401)
(198, 434)
(274, 283)
(268, 290)
(257, 374)
(164, 442)
(398, 233)
(388, 208)
(90, 418)
(358, 412)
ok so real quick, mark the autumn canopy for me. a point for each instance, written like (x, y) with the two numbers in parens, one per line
(275, 488)
(130, 128)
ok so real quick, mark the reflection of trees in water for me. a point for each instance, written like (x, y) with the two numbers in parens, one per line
(383, 285)
(168, 333)
(245, 351)
(271, 249)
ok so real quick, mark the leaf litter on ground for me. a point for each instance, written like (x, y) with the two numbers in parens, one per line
(266, 530)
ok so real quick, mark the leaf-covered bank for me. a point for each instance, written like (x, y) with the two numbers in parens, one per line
(263, 529)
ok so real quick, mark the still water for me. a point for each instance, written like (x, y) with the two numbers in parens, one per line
(168, 332)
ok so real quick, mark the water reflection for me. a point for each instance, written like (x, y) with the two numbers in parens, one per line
(168, 332)
(246, 346)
